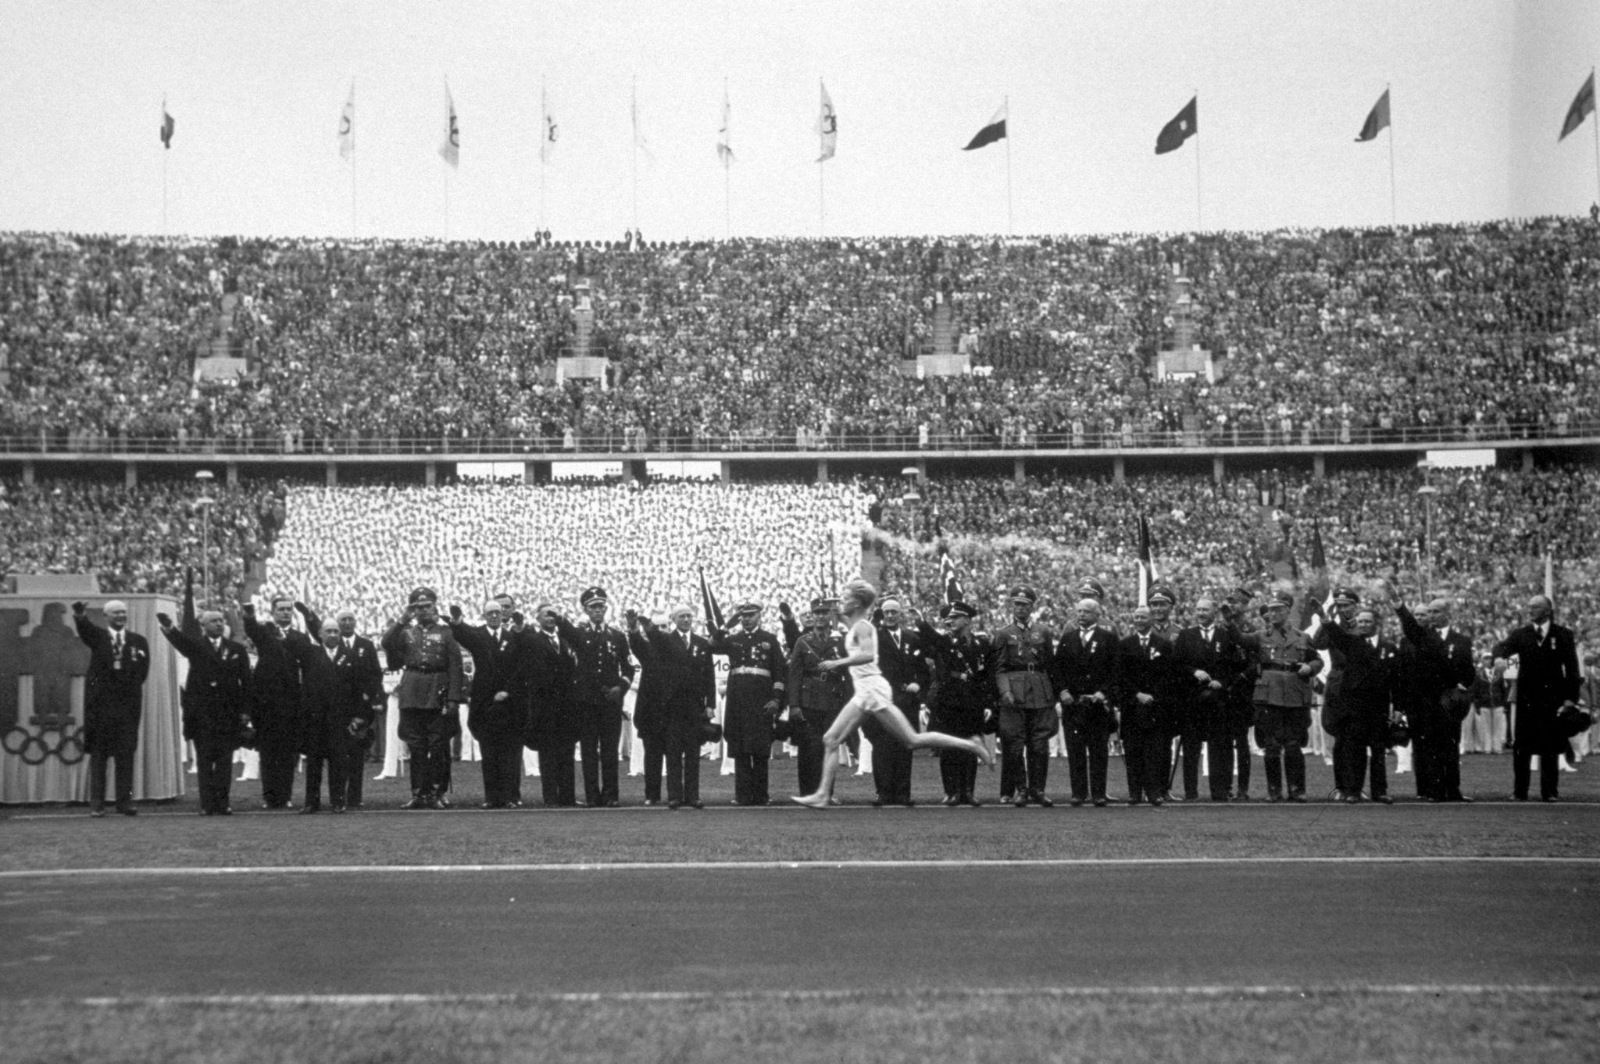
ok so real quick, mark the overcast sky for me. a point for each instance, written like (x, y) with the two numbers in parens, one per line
(1479, 89)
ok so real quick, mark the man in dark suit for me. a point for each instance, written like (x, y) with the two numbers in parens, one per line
(677, 664)
(1144, 672)
(113, 700)
(816, 695)
(276, 687)
(1547, 679)
(369, 675)
(498, 705)
(962, 694)
(552, 720)
(901, 661)
(216, 705)
(1435, 686)
(1085, 676)
(1208, 660)
(603, 675)
(337, 714)
(1366, 664)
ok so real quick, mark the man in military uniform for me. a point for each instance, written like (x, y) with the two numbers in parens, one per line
(432, 688)
(216, 704)
(961, 696)
(602, 677)
(113, 700)
(1020, 662)
(276, 686)
(1229, 744)
(901, 662)
(1208, 661)
(1085, 676)
(815, 694)
(1282, 697)
(756, 671)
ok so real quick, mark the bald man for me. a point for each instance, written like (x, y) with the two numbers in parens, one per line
(1435, 665)
(216, 711)
(1547, 678)
(113, 700)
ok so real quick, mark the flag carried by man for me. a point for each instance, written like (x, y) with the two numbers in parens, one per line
(1184, 124)
(167, 126)
(1377, 119)
(347, 125)
(714, 618)
(827, 127)
(993, 130)
(948, 581)
(1582, 107)
(450, 148)
(1147, 562)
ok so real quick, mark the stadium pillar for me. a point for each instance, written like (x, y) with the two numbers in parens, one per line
(1319, 466)
(536, 472)
(430, 474)
(27, 473)
(230, 473)
(333, 474)
(822, 471)
(1119, 470)
(725, 471)
(633, 472)
(1219, 469)
(1527, 460)
(1019, 470)
(130, 475)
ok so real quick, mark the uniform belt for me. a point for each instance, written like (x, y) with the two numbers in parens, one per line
(750, 670)
(418, 668)
(1274, 666)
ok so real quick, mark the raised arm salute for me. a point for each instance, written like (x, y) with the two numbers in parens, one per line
(430, 694)
(216, 709)
(113, 700)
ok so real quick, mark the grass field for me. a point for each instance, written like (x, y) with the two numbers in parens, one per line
(1004, 1013)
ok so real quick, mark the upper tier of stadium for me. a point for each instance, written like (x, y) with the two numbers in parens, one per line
(1336, 337)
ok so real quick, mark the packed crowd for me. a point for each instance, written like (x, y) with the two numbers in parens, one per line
(1323, 336)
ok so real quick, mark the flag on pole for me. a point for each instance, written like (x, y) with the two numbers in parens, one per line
(1582, 107)
(1319, 557)
(1185, 124)
(993, 130)
(1377, 119)
(724, 145)
(827, 127)
(709, 601)
(189, 619)
(1147, 562)
(168, 125)
(547, 142)
(948, 580)
(639, 140)
(450, 149)
(347, 125)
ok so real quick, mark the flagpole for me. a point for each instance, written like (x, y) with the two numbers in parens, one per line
(544, 143)
(1011, 222)
(447, 204)
(165, 148)
(1394, 217)
(1594, 122)
(727, 158)
(822, 201)
(1199, 209)
(635, 117)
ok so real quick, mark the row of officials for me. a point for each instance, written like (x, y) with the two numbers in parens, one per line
(555, 685)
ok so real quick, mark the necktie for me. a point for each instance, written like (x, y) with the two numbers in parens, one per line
(687, 643)
(333, 652)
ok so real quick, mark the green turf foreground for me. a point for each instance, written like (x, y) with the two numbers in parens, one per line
(1462, 1026)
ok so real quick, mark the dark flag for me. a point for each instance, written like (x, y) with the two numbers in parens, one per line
(1377, 119)
(189, 622)
(947, 575)
(1319, 559)
(1185, 124)
(713, 611)
(167, 126)
(1582, 107)
(1147, 563)
(993, 130)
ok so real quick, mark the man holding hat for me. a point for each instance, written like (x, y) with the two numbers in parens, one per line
(756, 671)
(1020, 661)
(1547, 679)
(815, 694)
(113, 700)
(600, 680)
(432, 688)
(1282, 697)
(1085, 676)
(961, 695)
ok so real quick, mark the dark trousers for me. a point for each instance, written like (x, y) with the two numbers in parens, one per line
(214, 764)
(600, 729)
(557, 775)
(427, 734)
(343, 758)
(500, 759)
(750, 779)
(1283, 732)
(1088, 753)
(958, 771)
(1025, 734)
(1522, 772)
(683, 766)
(654, 754)
(1143, 740)
(1189, 743)
(359, 753)
(809, 754)
(115, 740)
(1228, 750)
(891, 763)
(1436, 754)
(279, 750)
